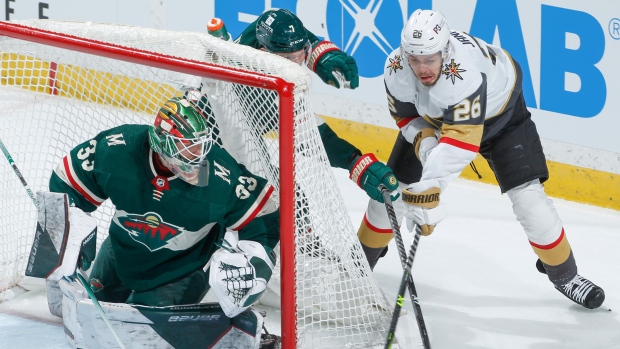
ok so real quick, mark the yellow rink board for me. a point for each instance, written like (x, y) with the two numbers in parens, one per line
(84, 84)
(568, 182)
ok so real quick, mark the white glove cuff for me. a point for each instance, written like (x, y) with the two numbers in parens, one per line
(435, 215)
(414, 126)
(426, 146)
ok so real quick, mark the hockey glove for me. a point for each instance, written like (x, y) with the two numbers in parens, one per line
(422, 205)
(239, 274)
(333, 66)
(369, 174)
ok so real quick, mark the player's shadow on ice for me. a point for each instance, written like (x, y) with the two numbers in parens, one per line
(459, 321)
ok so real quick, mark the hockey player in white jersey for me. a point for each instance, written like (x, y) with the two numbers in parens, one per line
(453, 95)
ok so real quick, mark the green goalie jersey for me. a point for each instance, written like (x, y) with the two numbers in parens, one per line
(163, 227)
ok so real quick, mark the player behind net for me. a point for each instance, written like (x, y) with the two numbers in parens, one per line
(282, 33)
(177, 192)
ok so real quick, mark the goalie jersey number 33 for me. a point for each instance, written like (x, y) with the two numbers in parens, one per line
(165, 226)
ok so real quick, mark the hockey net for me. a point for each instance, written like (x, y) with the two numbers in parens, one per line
(63, 82)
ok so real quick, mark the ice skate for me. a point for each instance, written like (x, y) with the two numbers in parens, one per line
(583, 292)
(580, 290)
(270, 341)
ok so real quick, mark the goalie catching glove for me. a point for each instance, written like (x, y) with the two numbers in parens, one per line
(328, 61)
(370, 174)
(239, 274)
(422, 205)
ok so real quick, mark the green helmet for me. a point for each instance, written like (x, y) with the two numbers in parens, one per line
(183, 137)
(281, 31)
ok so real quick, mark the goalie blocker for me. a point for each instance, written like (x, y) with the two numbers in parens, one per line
(65, 239)
(65, 236)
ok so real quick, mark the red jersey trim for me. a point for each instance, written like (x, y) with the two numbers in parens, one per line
(403, 122)
(376, 229)
(551, 245)
(258, 206)
(78, 185)
(459, 144)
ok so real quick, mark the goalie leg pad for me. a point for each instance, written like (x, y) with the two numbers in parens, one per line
(54, 297)
(202, 325)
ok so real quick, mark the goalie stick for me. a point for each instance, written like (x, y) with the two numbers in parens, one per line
(407, 279)
(79, 276)
(19, 174)
(92, 296)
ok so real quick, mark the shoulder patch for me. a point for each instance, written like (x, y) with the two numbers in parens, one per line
(222, 172)
(115, 139)
(395, 64)
(453, 71)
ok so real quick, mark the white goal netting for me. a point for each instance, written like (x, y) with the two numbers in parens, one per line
(52, 99)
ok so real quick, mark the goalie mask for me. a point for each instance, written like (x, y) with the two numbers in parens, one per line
(182, 137)
(282, 33)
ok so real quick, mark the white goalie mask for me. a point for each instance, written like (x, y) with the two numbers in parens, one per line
(183, 136)
(190, 162)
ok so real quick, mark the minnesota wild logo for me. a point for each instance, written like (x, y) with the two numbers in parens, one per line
(453, 71)
(148, 229)
(395, 64)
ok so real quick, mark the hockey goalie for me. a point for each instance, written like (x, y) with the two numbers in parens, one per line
(188, 218)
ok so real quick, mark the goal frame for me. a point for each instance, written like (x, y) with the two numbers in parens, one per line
(284, 90)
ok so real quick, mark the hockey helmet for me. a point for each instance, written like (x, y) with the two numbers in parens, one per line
(281, 31)
(183, 137)
(425, 33)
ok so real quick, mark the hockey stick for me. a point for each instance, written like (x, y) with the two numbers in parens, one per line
(92, 296)
(79, 276)
(19, 174)
(389, 207)
(400, 299)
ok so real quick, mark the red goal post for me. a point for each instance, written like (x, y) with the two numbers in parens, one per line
(328, 296)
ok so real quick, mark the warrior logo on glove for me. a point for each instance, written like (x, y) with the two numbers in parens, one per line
(429, 199)
(423, 206)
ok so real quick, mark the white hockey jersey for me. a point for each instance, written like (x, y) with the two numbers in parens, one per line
(471, 101)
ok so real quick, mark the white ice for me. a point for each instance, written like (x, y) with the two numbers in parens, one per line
(475, 277)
